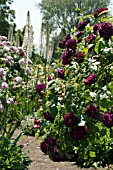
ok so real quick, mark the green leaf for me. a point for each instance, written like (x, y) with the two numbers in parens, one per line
(92, 154)
(53, 110)
(98, 47)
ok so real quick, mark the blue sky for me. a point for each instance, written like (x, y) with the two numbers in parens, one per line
(21, 7)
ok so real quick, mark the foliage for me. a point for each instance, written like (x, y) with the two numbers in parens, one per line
(11, 156)
(7, 16)
(79, 95)
(63, 14)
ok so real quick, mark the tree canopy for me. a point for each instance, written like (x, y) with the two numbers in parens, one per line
(63, 14)
(6, 16)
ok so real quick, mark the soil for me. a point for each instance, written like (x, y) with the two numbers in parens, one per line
(41, 161)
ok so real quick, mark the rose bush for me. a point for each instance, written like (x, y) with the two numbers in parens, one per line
(79, 105)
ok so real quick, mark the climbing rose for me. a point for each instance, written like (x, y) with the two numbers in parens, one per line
(107, 119)
(99, 11)
(81, 25)
(47, 116)
(70, 120)
(39, 87)
(92, 111)
(106, 30)
(79, 132)
(90, 79)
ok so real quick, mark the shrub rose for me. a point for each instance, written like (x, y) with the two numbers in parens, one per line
(106, 30)
(107, 119)
(90, 79)
(92, 111)
(71, 44)
(39, 87)
(99, 11)
(43, 147)
(70, 120)
(81, 25)
(50, 141)
(47, 116)
(78, 132)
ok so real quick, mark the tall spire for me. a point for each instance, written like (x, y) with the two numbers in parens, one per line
(28, 36)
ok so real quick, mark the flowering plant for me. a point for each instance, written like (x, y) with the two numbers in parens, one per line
(80, 103)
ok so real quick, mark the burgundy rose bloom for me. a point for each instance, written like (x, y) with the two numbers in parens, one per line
(50, 141)
(92, 111)
(70, 120)
(67, 57)
(61, 43)
(79, 40)
(79, 56)
(56, 156)
(95, 28)
(39, 87)
(98, 11)
(91, 79)
(74, 156)
(81, 25)
(71, 44)
(61, 73)
(36, 124)
(79, 132)
(106, 30)
(50, 78)
(90, 38)
(43, 147)
(107, 119)
(79, 34)
(47, 116)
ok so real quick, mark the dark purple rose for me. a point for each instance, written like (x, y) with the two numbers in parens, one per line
(50, 78)
(92, 111)
(106, 30)
(39, 87)
(90, 38)
(79, 40)
(56, 156)
(74, 156)
(71, 44)
(67, 57)
(99, 11)
(70, 120)
(79, 34)
(36, 124)
(50, 142)
(43, 147)
(79, 132)
(61, 73)
(81, 25)
(61, 43)
(107, 119)
(91, 79)
(79, 56)
(47, 116)
(95, 28)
